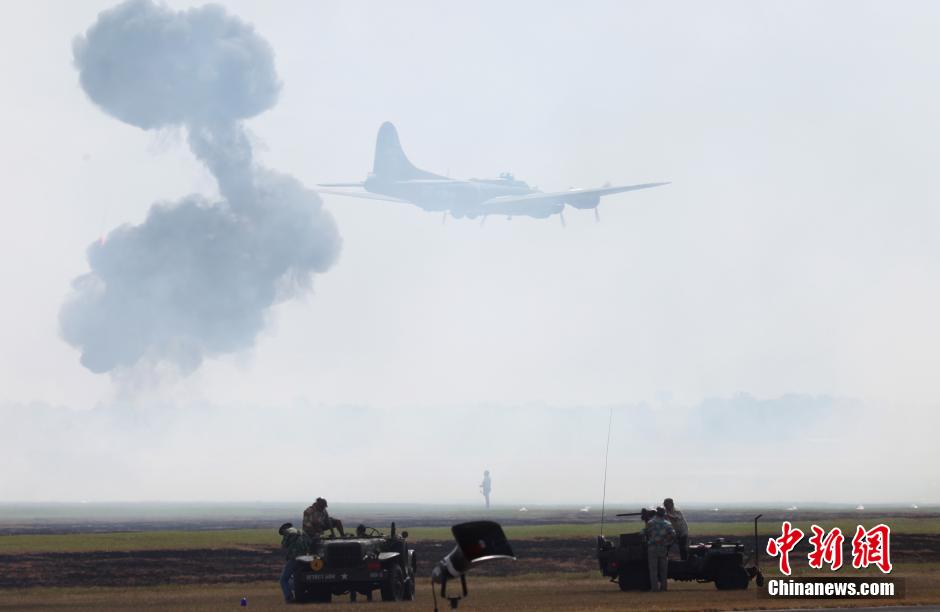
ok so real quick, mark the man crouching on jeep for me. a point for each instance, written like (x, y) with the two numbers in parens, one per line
(317, 520)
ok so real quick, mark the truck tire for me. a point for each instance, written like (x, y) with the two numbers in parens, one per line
(393, 588)
(731, 578)
(320, 596)
(634, 578)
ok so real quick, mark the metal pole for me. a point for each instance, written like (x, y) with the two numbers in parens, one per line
(610, 420)
(756, 546)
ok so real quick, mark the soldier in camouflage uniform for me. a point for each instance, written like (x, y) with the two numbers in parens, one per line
(674, 516)
(317, 520)
(659, 537)
(295, 543)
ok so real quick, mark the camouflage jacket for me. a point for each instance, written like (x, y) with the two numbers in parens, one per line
(295, 543)
(316, 522)
(659, 532)
(678, 522)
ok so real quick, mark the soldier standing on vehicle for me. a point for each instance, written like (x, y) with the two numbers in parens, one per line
(486, 486)
(674, 515)
(659, 537)
(295, 543)
(317, 520)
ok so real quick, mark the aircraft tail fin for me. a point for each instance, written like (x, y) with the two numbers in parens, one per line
(390, 160)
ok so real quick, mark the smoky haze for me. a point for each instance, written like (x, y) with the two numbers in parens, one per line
(786, 450)
(197, 277)
(765, 326)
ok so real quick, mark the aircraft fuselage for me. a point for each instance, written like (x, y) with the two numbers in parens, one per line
(461, 198)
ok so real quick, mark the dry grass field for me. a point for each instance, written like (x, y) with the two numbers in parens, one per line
(565, 592)
(199, 569)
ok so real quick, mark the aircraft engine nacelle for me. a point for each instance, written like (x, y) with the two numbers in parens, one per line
(584, 201)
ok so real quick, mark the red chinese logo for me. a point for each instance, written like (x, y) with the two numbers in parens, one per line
(783, 545)
(869, 547)
(872, 547)
(827, 548)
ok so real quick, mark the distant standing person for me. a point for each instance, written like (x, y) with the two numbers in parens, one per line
(486, 486)
(678, 523)
(659, 537)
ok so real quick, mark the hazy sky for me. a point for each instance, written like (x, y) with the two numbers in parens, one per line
(794, 255)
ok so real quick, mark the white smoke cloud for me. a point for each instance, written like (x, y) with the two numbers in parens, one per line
(151, 67)
(196, 277)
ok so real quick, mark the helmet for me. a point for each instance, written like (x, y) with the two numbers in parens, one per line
(283, 529)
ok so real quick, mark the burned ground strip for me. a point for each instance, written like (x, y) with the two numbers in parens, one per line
(240, 565)
(206, 566)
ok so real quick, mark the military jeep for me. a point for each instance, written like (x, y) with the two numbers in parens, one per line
(718, 561)
(357, 565)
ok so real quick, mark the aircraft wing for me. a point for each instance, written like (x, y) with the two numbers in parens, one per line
(366, 195)
(443, 181)
(562, 196)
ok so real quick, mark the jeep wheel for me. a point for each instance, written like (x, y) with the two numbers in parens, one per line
(320, 596)
(393, 588)
(634, 579)
(731, 578)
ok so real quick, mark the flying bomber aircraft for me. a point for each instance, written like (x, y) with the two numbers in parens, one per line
(394, 178)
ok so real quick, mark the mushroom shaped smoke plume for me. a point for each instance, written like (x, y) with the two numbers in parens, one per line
(196, 278)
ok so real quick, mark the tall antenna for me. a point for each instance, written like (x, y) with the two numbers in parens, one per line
(610, 420)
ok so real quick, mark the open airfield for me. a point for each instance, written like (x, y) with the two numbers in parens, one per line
(209, 556)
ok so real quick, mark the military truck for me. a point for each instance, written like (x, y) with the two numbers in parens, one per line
(357, 565)
(718, 561)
